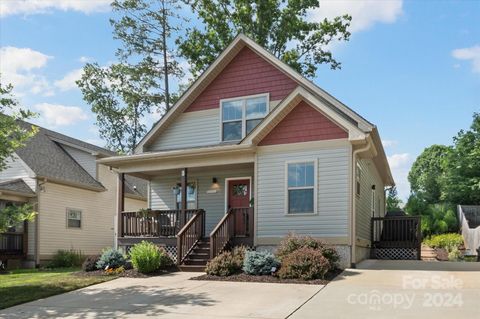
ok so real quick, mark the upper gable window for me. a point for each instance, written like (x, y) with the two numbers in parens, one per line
(241, 115)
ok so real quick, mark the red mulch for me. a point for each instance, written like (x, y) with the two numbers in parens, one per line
(242, 277)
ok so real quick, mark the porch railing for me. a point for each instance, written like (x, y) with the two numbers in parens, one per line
(12, 244)
(190, 234)
(154, 223)
(237, 222)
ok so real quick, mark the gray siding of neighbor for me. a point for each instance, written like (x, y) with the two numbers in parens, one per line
(162, 197)
(369, 177)
(84, 159)
(16, 169)
(333, 193)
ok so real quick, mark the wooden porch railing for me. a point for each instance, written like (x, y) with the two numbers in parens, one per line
(396, 232)
(153, 223)
(237, 222)
(190, 234)
(12, 244)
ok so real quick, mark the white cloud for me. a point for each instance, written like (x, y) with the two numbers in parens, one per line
(472, 54)
(389, 143)
(84, 59)
(400, 165)
(19, 66)
(26, 7)
(68, 81)
(60, 115)
(365, 13)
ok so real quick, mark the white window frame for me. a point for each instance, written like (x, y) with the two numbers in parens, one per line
(315, 186)
(196, 194)
(67, 210)
(244, 118)
(358, 179)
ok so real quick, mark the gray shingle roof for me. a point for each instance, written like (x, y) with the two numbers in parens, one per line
(16, 186)
(44, 155)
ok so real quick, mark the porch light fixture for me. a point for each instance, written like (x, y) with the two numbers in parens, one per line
(214, 180)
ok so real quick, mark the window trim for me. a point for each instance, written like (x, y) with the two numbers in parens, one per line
(67, 219)
(315, 186)
(244, 115)
(196, 194)
(358, 182)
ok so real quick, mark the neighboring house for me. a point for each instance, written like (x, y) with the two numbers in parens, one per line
(260, 152)
(73, 195)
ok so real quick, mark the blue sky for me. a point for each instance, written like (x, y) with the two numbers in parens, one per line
(411, 67)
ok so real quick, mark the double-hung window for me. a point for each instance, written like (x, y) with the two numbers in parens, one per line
(74, 218)
(301, 186)
(241, 115)
(191, 196)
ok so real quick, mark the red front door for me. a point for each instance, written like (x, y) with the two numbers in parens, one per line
(239, 197)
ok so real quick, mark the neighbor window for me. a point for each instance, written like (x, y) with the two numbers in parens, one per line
(74, 218)
(301, 187)
(241, 116)
(191, 196)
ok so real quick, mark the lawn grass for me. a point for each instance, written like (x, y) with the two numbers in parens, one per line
(31, 284)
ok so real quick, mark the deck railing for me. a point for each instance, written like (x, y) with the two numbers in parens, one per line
(396, 232)
(154, 223)
(237, 222)
(190, 234)
(12, 244)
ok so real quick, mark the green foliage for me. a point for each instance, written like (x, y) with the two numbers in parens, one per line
(282, 27)
(260, 263)
(445, 241)
(66, 259)
(227, 263)
(393, 201)
(305, 263)
(111, 258)
(461, 180)
(426, 173)
(147, 257)
(90, 263)
(292, 243)
(12, 216)
(12, 134)
(454, 254)
(436, 218)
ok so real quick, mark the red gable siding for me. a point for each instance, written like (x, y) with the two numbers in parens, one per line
(303, 124)
(246, 74)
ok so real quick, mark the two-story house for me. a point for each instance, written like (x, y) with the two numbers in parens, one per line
(250, 152)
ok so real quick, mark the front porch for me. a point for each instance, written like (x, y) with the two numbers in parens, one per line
(219, 212)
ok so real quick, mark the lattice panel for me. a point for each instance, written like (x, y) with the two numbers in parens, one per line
(171, 251)
(396, 253)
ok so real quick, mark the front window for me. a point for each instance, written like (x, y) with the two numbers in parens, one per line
(241, 116)
(191, 196)
(74, 218)
(301, 187)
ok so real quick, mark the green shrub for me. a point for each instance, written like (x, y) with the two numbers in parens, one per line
(454, 254)
(305, 263)
(90, 263)
(147, 257)
(66, 258)
(227, 263)
(292, 243)
(260, 263)
(447, 241)
(111, 258)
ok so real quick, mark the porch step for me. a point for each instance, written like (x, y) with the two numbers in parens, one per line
(198, 258)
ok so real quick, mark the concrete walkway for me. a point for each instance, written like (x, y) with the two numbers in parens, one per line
(170, 296)
(377, 289)
(399, 289)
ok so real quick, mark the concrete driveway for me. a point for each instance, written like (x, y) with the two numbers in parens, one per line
(377, 289)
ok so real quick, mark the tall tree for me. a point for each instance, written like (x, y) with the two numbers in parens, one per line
(427, 171)
(393, 201)
(12, 136)
(281, 26)
(122, 94)
(461, 182)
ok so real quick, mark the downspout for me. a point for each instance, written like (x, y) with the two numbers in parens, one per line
(353, 227)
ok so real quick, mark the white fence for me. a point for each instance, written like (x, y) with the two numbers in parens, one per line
(469, 219)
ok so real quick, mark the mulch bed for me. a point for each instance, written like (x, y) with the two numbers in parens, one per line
(129, 273)
(242, 277)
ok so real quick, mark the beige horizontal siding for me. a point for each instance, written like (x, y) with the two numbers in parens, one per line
(332, 206)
